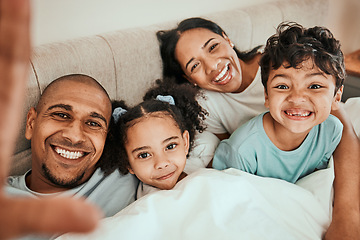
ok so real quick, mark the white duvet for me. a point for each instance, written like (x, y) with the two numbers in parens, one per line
(230, 204)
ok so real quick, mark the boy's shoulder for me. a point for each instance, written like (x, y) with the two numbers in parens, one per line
(333, 122)
(250, 129)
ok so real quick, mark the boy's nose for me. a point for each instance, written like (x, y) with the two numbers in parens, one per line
(297, 96)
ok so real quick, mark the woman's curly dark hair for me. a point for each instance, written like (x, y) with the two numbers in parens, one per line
(186, 112)
(168, 40)
(293, 44)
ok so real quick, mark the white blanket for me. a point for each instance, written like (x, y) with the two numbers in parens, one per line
(230, 204)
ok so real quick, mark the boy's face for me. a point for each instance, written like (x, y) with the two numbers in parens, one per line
(299, 99)
(157, 150)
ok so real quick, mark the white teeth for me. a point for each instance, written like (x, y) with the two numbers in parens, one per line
(222, 73)
(68, 154)
(298, 114)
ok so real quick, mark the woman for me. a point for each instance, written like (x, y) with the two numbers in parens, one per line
(199, 51)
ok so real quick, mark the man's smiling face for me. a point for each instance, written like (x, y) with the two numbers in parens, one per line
(67, 131)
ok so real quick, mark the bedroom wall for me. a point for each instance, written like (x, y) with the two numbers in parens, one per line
(55, 20)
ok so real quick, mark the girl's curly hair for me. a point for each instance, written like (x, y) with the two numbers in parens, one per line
(186, 112)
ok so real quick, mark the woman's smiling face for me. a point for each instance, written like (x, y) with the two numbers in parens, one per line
(209, 60)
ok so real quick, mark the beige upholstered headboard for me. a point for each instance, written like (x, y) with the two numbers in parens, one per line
(127, 62)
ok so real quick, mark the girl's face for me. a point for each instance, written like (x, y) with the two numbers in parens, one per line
(209, 60)
(157, 150)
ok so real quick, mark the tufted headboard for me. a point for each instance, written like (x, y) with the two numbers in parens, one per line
(126, 62)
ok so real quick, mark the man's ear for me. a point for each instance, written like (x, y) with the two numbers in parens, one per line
(186, 137)
(30, 123)
(266, 104)
(227, 39)
(337, 98)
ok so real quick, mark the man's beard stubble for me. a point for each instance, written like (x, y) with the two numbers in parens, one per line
(71, 183)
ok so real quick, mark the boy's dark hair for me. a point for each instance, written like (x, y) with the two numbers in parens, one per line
(293, 44)
(186, 112)
(168, 40)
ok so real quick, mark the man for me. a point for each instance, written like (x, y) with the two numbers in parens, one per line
(68, 129)
(21, 216)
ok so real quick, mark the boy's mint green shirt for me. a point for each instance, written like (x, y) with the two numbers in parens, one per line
(250, 149)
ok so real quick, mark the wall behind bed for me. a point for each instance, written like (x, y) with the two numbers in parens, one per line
(55, 20)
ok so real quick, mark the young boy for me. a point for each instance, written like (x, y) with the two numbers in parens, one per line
(302, 72)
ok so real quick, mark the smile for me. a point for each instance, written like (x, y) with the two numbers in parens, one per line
(298, 114)
(219, 78)
(69, 154)
(166, 176)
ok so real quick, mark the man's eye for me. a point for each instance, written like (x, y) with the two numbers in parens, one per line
(61, 115)
(144, 155)
(315, 86)
(282, 87)
(171, 146)
(93, 124)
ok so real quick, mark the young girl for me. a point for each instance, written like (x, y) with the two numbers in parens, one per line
(155, 136)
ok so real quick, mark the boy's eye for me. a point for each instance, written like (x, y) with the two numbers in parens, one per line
(315, 86)
(171, 146)
(282, 86)
(143, 155)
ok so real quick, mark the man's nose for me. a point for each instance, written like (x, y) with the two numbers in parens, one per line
(74, 132)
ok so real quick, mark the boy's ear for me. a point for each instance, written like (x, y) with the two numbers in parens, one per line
(227, 39)
(30, 123)
(337, 98)
(266, 104)
(186, 137)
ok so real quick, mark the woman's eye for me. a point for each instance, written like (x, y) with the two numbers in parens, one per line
(212, 47)
(282, 87)
(315, 86)
(143, 155)
(171, 146)
(194, 66)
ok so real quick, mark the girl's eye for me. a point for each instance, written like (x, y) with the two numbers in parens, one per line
(282, 86)
(315, 86)
(171, 146)
(212, 47)
(143, 155)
